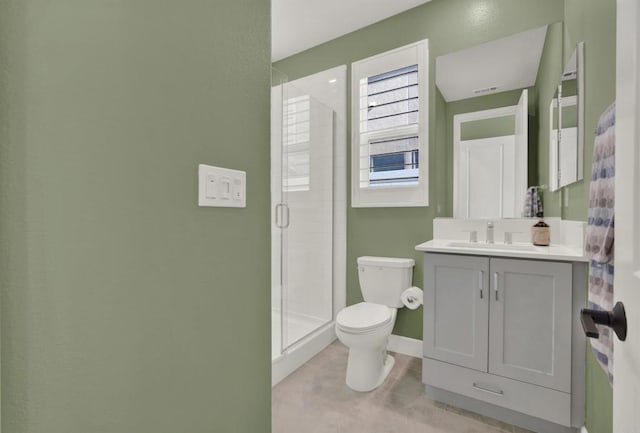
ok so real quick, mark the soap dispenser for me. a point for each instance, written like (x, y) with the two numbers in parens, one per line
(540, 232)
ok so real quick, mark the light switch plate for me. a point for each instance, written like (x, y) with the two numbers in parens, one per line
(221, 187)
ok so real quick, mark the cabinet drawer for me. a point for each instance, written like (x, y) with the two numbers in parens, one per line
(544, 403)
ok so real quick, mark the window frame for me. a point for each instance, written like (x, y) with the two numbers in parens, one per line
(416, 195)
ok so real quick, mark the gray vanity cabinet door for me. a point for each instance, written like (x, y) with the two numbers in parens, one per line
(456, 309)
(530, 322)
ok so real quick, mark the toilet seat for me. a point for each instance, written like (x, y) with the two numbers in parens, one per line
(363, 317)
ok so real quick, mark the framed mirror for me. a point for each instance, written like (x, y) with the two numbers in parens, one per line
(493, 96)
(566, 140)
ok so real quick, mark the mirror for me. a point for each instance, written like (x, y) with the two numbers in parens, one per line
(566, 153)
(493, 96)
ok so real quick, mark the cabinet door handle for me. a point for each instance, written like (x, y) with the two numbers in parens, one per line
(495, 284)
(496, 391)
(481, 283)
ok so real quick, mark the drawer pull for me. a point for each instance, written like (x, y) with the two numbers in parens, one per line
(495, 391)
(481, 283)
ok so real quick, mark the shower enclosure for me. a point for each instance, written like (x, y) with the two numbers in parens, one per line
(302, 215)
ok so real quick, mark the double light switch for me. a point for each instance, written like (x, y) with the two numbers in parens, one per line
(221, 187)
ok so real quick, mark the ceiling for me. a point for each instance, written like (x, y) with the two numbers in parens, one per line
(298, 25)
(498, 66)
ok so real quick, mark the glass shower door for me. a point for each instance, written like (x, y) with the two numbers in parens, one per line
(278, 128)
(304, 216)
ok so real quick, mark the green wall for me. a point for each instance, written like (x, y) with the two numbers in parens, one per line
(118, 291)
(450, 25)
(487, 128)
(569, 117)
(594, 22)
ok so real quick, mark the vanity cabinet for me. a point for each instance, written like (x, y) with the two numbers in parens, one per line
(499, 331)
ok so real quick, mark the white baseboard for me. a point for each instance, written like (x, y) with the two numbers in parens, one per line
(583, 430)
(405, 345)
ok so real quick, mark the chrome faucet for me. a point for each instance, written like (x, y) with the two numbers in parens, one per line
(490, 232)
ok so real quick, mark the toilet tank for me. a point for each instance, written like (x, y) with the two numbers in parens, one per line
(383, 279)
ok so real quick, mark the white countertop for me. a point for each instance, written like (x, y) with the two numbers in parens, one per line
(527, 251)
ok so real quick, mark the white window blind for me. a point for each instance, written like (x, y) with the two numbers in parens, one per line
(389, 143)
(392, 99)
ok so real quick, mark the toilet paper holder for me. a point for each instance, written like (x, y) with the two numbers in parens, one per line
(412, 297)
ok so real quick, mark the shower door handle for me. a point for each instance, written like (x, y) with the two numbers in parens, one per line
(281, 209)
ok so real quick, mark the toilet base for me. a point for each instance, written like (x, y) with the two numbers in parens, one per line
(366, 370)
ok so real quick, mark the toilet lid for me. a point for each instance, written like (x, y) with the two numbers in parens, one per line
(363, 317)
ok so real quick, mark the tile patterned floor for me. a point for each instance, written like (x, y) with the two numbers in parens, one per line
(315, 399)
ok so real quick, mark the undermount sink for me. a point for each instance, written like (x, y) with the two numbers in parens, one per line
(485, 246)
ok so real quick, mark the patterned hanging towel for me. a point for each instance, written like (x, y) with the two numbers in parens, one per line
(600, 233)
(533, 202)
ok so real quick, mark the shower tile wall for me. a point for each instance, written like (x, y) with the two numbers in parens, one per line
(308, 177)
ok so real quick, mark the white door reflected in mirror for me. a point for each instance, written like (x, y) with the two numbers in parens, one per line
(490, 174)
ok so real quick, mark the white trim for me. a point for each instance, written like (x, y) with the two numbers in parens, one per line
(583, 430)
(501, 200)
(392, 196)
(485, 114)
(553, 148)
(405, 345)
(554, 160)
(581, 98)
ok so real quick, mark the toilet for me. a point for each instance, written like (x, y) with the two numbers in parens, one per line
(365, 327)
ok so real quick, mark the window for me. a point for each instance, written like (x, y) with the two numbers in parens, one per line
(389, 128)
